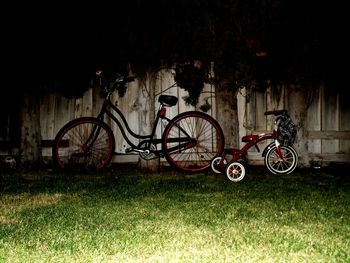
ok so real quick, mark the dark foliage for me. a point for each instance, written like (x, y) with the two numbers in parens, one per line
(191, 79)
(57, 46)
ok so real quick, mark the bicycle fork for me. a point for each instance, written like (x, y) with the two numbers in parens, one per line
(278, 150)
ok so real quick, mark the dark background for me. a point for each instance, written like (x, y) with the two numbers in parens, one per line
(57, 45)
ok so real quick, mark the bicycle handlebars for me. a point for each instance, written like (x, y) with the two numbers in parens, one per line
(120, 81)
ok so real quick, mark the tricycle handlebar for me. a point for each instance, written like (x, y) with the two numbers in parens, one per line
(275, 112)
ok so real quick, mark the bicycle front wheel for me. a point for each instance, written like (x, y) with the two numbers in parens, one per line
(191, 140)
(83, 144)
(284, 165)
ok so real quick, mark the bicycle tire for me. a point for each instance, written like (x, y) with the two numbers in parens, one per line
(284, 166)
(207, 141)
(75, 148)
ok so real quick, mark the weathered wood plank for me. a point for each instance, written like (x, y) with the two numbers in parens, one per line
(242, 114)
(344, 122)
(330, 120)
(330, 157)
(250, 109)
(63, 112)
(47, 116)
(329, 135)
(78, 107)
(87, 103)
(260, 118)
(97, 101)
(314, 121)
(274, 101)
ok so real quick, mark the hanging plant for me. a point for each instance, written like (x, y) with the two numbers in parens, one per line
(190, 78)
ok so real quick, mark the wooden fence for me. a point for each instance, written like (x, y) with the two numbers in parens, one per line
(323, 120)
(139, 106)
(322, 117)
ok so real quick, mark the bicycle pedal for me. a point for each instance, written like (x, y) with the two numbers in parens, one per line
(129, 149)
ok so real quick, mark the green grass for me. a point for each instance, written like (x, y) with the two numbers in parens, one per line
(173, 217)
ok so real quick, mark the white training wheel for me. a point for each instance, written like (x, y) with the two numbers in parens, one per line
(235, 171)
(214, 164)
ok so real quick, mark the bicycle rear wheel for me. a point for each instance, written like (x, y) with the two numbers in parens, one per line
(83, 144)
(286, 165)
(191, 140)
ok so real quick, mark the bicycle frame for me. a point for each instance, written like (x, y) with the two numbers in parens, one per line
(188, 141)
(252, 140)
(146, 139)
(278, 158)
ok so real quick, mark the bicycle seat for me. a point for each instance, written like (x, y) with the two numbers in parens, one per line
(168, 100)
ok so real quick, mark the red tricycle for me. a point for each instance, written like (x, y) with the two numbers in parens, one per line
(279, 156)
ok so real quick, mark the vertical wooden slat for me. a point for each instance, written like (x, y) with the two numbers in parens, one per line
(313, 120)
(120, 145)
(270, 105)
(260, 118)
(97, 101)
(78, 107)
(165, 85)
(330, 120)
(63, 111)
(256, 120)
(298, 113)
(274, 101)
(129, 105)
(252, 121)
(149, 105)
(87, 103)
(249, 121)
(166, 80)
(47, 114)
(158, 90)
(206, 101)
(344, 123)
(241, 105)
(228, 116)
(117, 134)
(47, 121)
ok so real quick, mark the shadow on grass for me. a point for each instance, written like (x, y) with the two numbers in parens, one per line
(131, 180)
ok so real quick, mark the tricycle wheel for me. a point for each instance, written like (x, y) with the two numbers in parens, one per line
(214, 164)
(235, 171)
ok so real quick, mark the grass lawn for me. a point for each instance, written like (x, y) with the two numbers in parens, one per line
(121, 216)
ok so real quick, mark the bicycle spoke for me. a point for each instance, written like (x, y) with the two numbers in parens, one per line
(90, 144)
(277, 165)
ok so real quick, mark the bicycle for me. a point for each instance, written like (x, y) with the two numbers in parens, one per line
(279, 156)
(189, 141)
